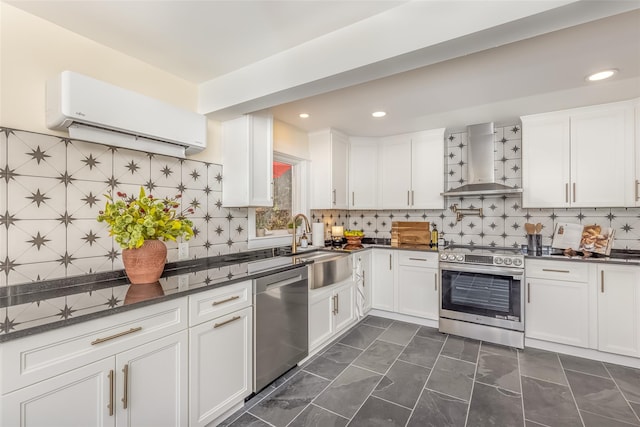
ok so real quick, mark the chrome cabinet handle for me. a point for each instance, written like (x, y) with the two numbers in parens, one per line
(226, 300)
(390, 258)
(566, 192)
(418, 259)
(408, 195)
(335, 305)
(118, 335)
(602, 281)
(574, 192)
(435, 283)
(353, 198)
(528, 292)
(111, 377)
(413, 200)
(556, 271)
(125, 394)
(226, 322)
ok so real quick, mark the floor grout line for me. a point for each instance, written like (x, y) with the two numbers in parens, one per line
(524, 415)
(427, 382)
(570, 389)
(473, 385)
(620, 391)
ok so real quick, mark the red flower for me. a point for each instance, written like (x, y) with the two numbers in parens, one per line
(178, 196)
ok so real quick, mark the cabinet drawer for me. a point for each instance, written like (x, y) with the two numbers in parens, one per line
(418, 259)
(217, 302)
(557, 270)
(41, 356)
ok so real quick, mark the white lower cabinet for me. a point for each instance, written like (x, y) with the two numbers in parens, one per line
(151, 383)
(557, 302)
(619, 309)
(584, 304)
(120, 373)
(382, 297)
(78, 398)
(220, 365)
(417, 284)
(220, 351)
(331, 310)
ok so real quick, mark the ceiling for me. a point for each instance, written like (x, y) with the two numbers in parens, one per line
(541, 67)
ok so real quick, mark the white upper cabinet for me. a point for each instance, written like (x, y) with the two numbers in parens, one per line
(545, 160)
(363, 173)
(395, 172)
(635, 200)
(412, 170)
(579, 158)
(329, 152)
(247, 161)
(427, 169)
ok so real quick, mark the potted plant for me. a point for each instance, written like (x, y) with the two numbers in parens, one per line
(139, 225)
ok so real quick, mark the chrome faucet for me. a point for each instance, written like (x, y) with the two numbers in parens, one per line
(307, 227)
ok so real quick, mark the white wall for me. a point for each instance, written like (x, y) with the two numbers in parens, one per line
(33, 50)
(290, 140)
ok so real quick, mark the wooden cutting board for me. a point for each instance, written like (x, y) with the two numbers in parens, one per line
(412, 233)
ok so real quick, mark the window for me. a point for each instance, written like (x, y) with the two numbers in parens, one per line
(268, 226)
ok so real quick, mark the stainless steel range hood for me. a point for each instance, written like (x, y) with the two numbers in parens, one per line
(481, 163)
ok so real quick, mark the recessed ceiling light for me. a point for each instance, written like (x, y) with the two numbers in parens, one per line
(379, 114)
(601, 75)
(304, 115)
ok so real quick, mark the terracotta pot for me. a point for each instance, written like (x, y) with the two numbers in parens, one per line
(146, 263)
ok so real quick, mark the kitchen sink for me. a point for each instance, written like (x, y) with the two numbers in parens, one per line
(327, 268)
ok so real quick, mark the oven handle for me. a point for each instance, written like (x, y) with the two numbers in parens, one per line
(498, 271)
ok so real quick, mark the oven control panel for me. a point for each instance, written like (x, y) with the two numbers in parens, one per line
(516, 261)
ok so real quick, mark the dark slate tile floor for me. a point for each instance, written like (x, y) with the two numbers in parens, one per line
(389, 373)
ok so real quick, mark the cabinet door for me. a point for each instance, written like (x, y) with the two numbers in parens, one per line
(340, 170)
(383, 280)
(247, 156)
(365, 278)
(344, 312)
(363, 173)
(635, 196)
(619, 309)
(545, 161)
(328, 151)
(261, 161)
(152, 383)
(220, 365)
(395, 173)
(601, 146)
(320, 317)
(427, 170)
(417, 291)
(78, 398)
(550, 318)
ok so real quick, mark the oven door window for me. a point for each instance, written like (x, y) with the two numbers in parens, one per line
(483, 294)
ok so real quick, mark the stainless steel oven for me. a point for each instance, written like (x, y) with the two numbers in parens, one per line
(481, 294)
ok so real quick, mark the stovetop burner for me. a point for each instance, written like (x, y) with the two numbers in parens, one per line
(486, 255)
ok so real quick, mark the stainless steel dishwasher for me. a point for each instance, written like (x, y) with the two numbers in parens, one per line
(281, 337)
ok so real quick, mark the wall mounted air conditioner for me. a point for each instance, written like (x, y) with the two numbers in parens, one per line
(96, 111)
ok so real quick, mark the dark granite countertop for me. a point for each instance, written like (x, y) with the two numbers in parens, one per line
(97, 295)
(620, 256)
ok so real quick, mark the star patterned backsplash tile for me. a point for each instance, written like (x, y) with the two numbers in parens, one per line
(503, 222)
(52, 188)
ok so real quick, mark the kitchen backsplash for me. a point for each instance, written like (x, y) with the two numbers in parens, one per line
(503, 218)
(51, 191)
